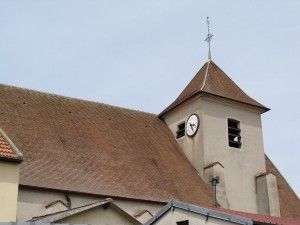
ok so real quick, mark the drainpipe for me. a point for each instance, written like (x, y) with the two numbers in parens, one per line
(214, 181)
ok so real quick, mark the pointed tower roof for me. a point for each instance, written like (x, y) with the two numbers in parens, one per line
(213, 81)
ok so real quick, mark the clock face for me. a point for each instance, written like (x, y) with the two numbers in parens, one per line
(192, 125)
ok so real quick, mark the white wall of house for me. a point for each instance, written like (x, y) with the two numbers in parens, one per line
(98, 216)
(32, 202)
(9, 183)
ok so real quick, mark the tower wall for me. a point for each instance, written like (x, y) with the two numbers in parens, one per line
(241, 165)
(267, 195)
(192, 147)
(210, 145)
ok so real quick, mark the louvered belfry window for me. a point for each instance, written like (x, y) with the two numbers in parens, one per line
(184, 222)
(234, 133)
(180, 130)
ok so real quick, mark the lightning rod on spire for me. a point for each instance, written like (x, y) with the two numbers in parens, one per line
(208, 37)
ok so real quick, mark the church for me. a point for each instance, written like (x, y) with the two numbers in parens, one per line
(62, 157)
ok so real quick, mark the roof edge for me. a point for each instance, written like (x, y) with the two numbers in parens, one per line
(266, 109)
(92, 194)
(165, 111)
(50, 94)
(275, 167)
(45, 218)
(212, 164)
(54, 217)
(200, 210)
(13, 147)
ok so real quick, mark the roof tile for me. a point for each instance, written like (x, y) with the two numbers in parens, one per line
(263, 218)
(7, 151)
(81, 146)
(210, 79)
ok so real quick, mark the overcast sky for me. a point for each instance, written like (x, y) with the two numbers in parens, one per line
(141, 54)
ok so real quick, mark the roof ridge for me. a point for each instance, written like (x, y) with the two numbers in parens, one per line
(236, 85)
(18, 156)
(49, 94)
(206, 74)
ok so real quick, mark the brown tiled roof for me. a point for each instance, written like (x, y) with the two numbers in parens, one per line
(263, 219)
(87, 147)
(289, 201)
(210, 79)
(8, 151)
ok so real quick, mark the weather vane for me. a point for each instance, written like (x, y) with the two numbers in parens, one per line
(208, 37)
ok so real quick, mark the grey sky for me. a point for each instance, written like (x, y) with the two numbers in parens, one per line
(141, 54)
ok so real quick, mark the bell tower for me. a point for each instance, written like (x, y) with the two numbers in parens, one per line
(218, 126)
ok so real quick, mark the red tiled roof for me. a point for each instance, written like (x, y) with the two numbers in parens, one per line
(212, 80)
(263, 218)
(7, 151)
(87, 147)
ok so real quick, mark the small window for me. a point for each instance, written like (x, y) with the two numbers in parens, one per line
(180, 130)
(234, 133)
(184, 222)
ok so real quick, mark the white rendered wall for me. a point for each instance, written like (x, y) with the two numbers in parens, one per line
(9, 183)
(32, 203)
(210, 145)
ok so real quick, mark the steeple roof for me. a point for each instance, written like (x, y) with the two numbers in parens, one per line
(211, 80)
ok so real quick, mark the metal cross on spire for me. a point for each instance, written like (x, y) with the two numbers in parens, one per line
(208, 37)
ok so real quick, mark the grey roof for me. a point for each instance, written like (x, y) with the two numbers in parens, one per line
(199, 210)
(38, 223)
(54, 217)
